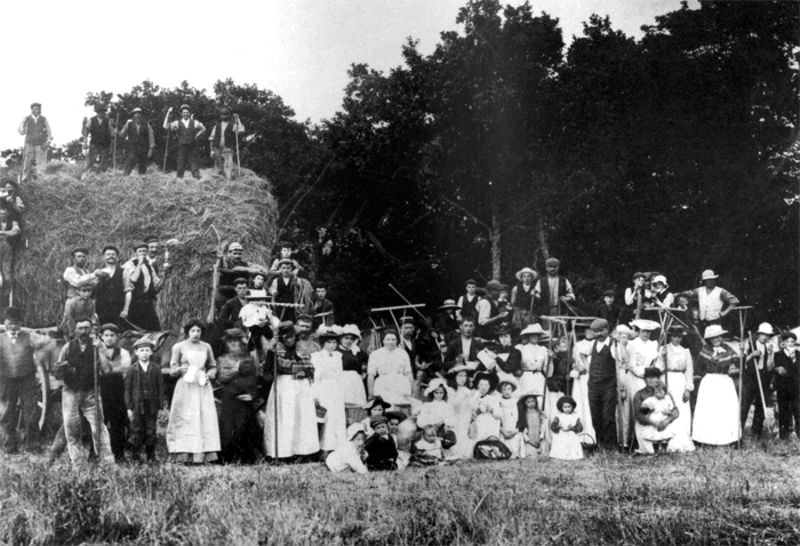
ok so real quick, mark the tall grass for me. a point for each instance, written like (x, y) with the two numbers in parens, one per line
(710, 497)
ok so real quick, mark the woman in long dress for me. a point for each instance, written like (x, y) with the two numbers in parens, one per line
(354, 367)
(389, 371)
(328, 388)
(581, 354)
(535, 363)
(291, 417)
(487, 414)
(463, 400)
(677, 360)
(193, 429)
(622, 336)
(716, 413)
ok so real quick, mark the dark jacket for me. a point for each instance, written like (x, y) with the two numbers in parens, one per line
(381, 453)
(454, 350)
(788, 383)
(144, 391)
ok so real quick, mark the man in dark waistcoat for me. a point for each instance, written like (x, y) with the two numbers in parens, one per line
(19, 389)
(223, 140)
(110, 290)
(187, 130)
(140, 142)
(38, 137)
(603, 386)
(98, 129)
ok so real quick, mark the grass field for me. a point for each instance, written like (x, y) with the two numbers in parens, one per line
(714, 496)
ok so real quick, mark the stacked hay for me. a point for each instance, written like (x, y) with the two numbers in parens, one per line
(65, 210)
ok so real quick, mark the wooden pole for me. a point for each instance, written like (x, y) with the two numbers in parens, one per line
(236, 139)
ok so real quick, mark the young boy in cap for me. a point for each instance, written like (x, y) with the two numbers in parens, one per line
(608, 308)
(552, 291)
(115, 362)
(144, 397)
(321, 307)
(380, 447)
(188, 131)
(228, 316)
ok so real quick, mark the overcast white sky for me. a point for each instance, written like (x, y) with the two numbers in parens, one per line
(55, 52)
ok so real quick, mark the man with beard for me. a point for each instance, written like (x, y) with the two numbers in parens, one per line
(76, 366)
(141, 285)
(78, 275)
(110, 290)
(115, 362)
(305, 342)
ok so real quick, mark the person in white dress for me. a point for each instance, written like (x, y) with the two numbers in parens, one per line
(653, 430)
(389, 371)
(581, 354)
(328, 388)
(353, 366)
(642, 353)
(193, 429)
(566, 427)
(535, 363)
(487, 414)
(716, 413)
(464, 401)
(438, 411)
(622, 336)
(677, 361)
(661, 410)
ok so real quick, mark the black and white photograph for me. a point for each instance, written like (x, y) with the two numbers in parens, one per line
(400, 272)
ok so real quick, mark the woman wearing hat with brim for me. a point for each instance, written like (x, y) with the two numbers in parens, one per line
(716, 413)
(437, 410)
(328, 387)
(677, 360)
(535, 364)
(354, 367)
(522, 297)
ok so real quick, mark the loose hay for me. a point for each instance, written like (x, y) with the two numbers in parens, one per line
(65, 210)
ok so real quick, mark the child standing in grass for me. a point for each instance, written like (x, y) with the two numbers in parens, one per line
(531, 424)
(566, 444)
(144, 395)
(349, 454)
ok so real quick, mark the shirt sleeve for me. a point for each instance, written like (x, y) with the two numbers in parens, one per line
(127, 271)
(728, 298)
(568, 289)
(484, 311)
(77, 280)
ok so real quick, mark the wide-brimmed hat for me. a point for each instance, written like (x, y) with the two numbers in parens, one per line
(622, 329)
(524, 270)
(714, 330)
(351, 330)
(659, 279)
(766, 329)
(234, 333)
(508, 380)
(461, 367)
(324, 333)
(708, 275)
(434, 384)
(354, 429)
(377, 401)
(645, 324)
(254, 294)
(490, 377)
(565, 400)
(448, 304)
(532, 330)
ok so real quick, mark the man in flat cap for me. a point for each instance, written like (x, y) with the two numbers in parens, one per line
(552, 291)
(223, 141)
(144, 397)
(38, 137)
(98, 130)
(140, 142)
(188, 131)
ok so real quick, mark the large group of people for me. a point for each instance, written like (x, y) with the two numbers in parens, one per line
(499, 372)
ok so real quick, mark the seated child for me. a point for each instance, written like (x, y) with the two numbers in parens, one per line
(380, 447)
(427, 451)
(403, 436)
(659, 407)
(349, 455)
(375, 408)
(566, 444)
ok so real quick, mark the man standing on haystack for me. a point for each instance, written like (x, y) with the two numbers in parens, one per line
(141, 142)
(77, 275)
(110, 290)
(38, 137)
(99, 131)
(223, 140)
(188, 130)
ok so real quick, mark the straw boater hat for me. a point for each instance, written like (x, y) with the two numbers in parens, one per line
(766, 329)
(713, 330)
(532, 330)
(324, 333)
(659, 279)
(708, 275)
(524, 270)
(462, 367)
(645, 324)
(434, 384)
(449, 304)
(351, 330)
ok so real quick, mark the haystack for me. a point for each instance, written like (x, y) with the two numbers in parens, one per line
(65, 210)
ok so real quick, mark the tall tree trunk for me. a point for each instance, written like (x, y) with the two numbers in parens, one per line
(543, 245)
(494, 238)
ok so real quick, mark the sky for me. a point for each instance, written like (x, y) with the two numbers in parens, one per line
(56, 51)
